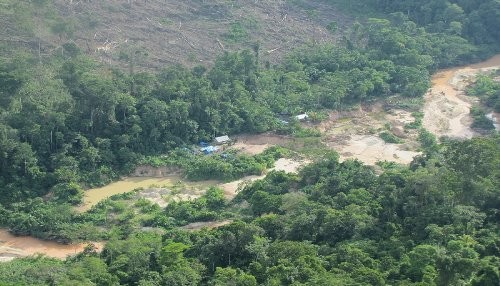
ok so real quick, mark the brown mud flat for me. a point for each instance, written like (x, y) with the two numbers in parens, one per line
(447, 108)
(12, 246)
(253, 144)
(354, 134)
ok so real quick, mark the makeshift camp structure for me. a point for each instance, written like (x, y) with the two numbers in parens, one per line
(209, 149)
(302, 116)
(222, 140)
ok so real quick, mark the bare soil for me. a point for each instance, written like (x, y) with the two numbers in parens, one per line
(354, 134)
(254, 144)
(447, 108)
(370, 149)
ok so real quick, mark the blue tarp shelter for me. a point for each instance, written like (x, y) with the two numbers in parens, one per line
(209, 149)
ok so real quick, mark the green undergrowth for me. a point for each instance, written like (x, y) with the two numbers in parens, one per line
(419, 116)
(388, 137)
(227, 165)
(480, 120)
(412, 104)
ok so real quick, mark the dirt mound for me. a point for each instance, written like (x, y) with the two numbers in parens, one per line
(163, 196)
(156, 195)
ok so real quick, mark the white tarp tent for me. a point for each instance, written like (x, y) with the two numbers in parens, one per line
(302, 116)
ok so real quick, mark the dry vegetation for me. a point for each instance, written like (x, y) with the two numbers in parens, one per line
(155, 33)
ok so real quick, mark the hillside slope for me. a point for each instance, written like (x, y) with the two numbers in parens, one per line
(155, 33)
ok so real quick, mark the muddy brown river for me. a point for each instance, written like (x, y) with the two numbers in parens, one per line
(19, 246)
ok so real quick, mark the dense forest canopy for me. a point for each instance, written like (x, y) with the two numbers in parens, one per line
(432, 223)
(475, 20)
(68, 122)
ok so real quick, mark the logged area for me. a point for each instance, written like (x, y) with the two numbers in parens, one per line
(155, 33)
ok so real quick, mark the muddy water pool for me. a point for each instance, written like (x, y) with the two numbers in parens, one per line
(93, 196)
(12, 246)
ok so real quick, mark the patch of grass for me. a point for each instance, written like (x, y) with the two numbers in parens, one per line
(192, 57)
(306, 132)
(480, 119)
(428, 141)
(310, 147)
(418, 121)
(389, 165)
(312, 14)
(250, 23)
(332, 27)
(390, 138)
(412, 104)
(487, 89)
(166, 21)
(237, 33)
